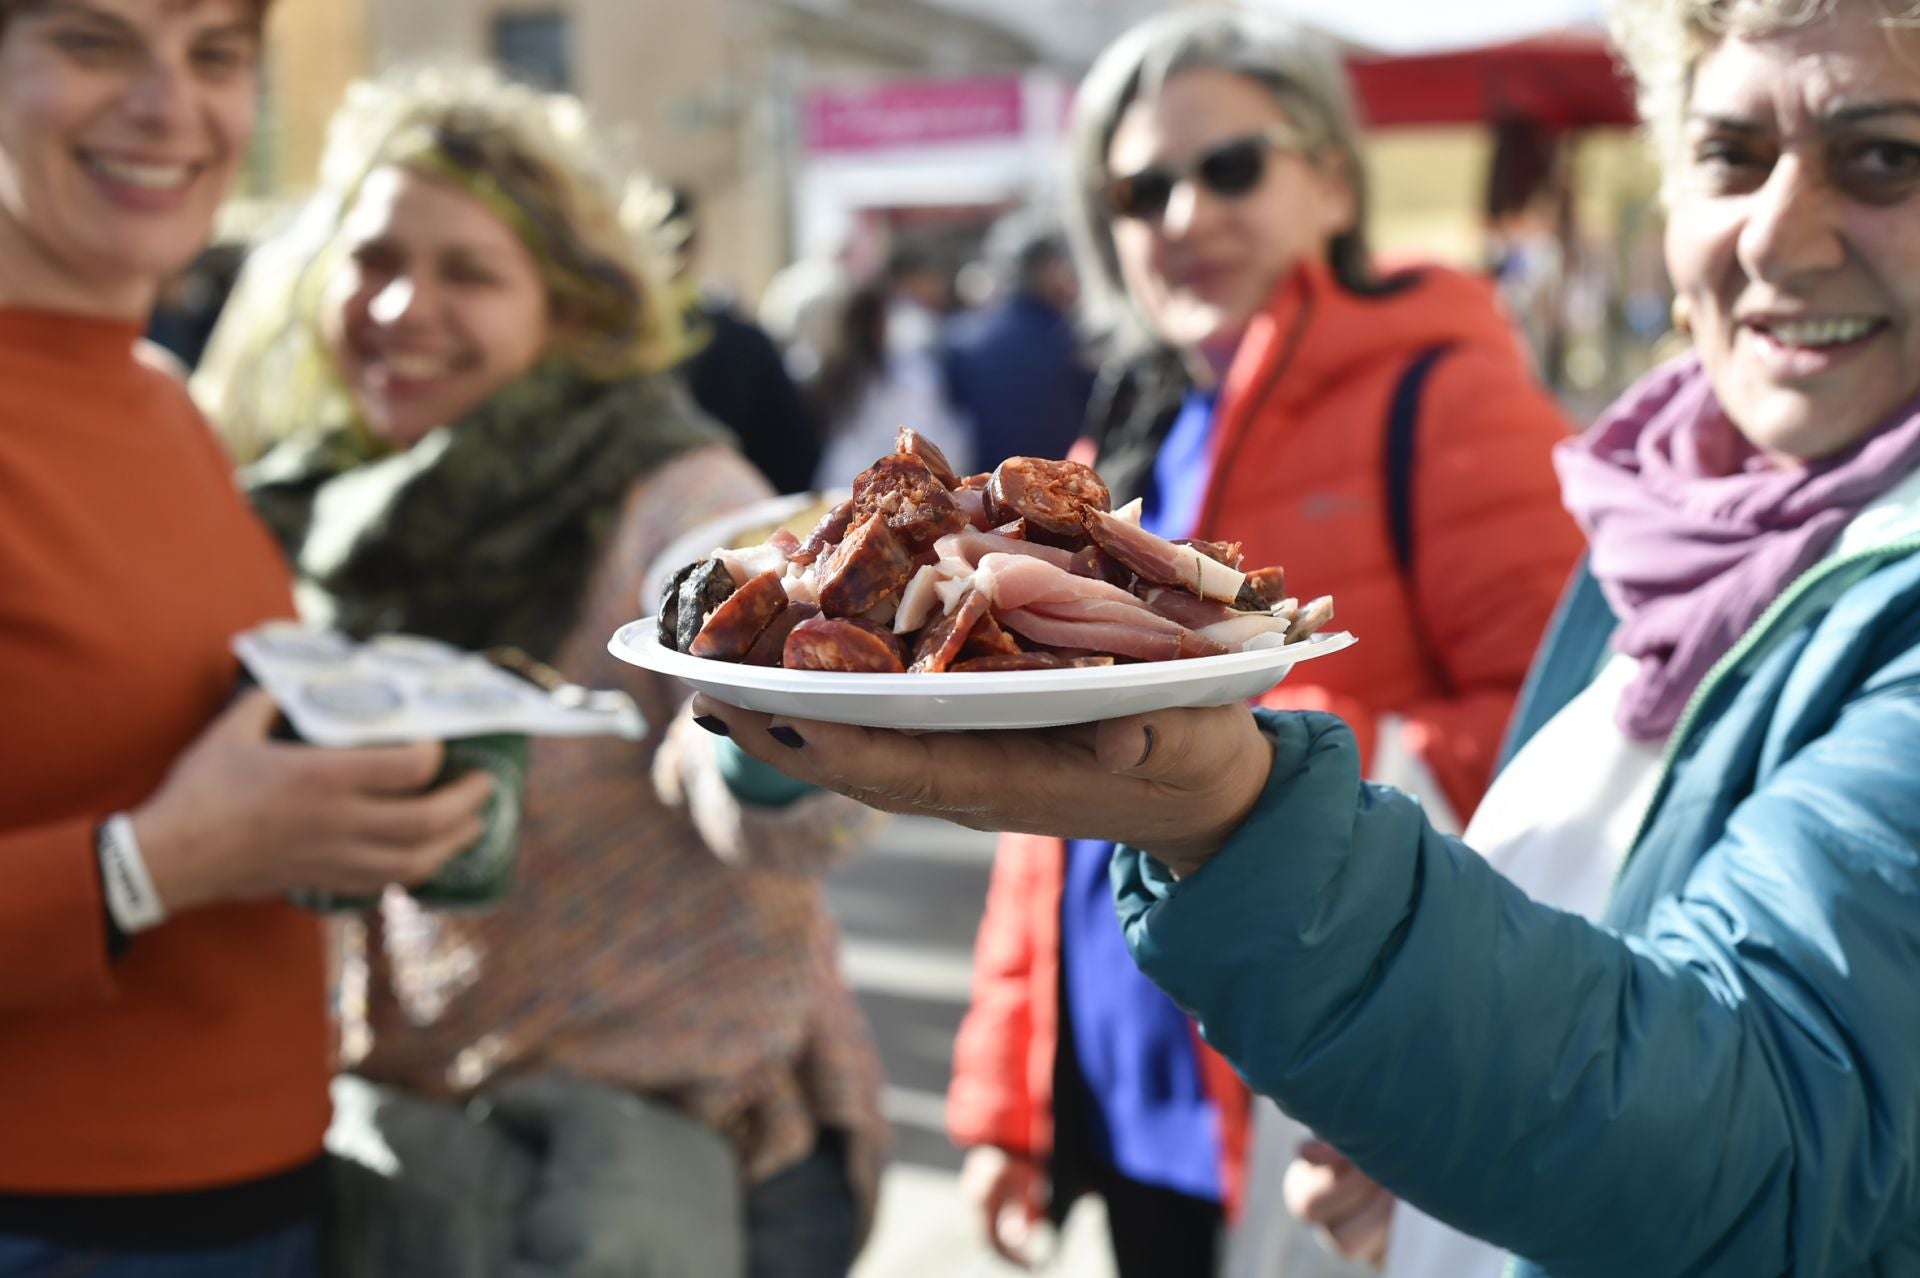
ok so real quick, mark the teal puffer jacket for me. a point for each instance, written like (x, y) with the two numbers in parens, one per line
(1723, 1079)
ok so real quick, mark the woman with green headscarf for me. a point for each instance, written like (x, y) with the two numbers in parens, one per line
(450, 366)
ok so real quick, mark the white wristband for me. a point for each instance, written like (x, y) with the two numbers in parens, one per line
(131, 900)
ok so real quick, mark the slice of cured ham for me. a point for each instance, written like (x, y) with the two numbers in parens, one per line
(1163, 561)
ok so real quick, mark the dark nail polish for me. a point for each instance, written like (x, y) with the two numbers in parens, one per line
(718, 727)
(786, 736)
(1148, 752)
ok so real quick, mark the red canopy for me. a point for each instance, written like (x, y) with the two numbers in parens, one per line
(1568, 80)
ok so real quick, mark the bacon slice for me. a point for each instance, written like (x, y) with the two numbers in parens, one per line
(1163, 561)
(1263, 588)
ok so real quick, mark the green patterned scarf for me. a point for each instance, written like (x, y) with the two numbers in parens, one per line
(481, 534)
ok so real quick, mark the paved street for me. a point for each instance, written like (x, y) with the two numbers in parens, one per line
(908, 909)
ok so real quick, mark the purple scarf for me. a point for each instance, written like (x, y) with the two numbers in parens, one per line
(1694, 532)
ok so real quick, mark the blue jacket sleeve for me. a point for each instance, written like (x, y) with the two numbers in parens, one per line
(1735, 1089)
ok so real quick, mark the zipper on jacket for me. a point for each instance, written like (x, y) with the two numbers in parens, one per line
(1755, 635)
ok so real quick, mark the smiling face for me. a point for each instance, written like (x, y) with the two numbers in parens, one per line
(1794, 234)
(1207, 264)
(435, 306)
(122, 124)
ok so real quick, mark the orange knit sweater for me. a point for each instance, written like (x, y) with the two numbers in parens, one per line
(198, 1058)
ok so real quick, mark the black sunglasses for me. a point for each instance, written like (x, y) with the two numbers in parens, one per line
(1228, 170)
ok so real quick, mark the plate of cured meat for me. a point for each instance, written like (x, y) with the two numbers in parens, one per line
(1013, 599)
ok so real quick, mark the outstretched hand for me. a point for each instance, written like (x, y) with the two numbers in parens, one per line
(1174, 783)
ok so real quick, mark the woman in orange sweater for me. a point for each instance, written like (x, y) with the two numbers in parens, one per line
(1381, 438)
(163, 1085)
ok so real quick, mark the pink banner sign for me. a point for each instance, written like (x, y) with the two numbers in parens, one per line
(913, 113)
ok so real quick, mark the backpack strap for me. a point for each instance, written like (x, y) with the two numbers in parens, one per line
(1403, 416)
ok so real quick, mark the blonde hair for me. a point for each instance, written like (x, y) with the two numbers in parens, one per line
(1662, 41)
(531, 157)
(1296, 67)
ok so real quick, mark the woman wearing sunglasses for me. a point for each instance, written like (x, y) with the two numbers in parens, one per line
(1716, 1071)
(1258, 360)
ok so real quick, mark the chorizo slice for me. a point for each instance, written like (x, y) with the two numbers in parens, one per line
(832, 527)
(1025, 661)
(767, 649)
(989, 638)
(703, 590)
(735, 624)
(913, 443)
(917, 506)
(941, 642)
(869, 564)
(844, 647)
(897, 642)
(1223, 552)
(1097, 564)
(1051, 496)
(1263, 588)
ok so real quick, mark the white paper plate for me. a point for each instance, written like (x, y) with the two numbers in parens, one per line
(1006, 699)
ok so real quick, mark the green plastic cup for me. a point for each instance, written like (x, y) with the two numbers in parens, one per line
(479, 874)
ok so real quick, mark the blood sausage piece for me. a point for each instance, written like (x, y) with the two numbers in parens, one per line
(705, 588)
(667, 624)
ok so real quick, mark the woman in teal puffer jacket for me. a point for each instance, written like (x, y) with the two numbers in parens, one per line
(1654, 1013)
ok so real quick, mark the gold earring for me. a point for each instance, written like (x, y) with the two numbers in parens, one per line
(1681, 314)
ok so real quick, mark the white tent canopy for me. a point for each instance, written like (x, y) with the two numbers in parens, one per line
(1422, 26)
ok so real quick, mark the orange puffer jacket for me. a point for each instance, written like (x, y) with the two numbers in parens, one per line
(1298, 475)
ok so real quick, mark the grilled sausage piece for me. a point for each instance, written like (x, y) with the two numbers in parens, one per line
(869, 564)
(940, 643)
(705, 588)
(826, 534)
(772, 643)
(989, 639)
(846, 647)
(735, 624)
(917, 506)
(1049, 495)
(1263, 588)
(1024, 661)
(913, 442)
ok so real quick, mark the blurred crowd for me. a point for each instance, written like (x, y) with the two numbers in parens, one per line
(1565, 922)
